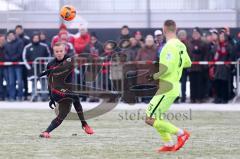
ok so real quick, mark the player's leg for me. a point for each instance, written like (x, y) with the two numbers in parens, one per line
(162, 104)
(157, 106)
(152, 119)
(168, 127)
(64, 109)
(78, 107)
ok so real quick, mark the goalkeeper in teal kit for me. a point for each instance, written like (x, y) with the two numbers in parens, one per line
(173, 59)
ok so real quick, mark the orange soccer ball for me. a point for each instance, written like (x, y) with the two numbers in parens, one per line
(68, 12)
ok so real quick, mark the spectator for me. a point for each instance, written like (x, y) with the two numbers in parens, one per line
(82, 40)
(129, 48)
(232, 42)
(182, 35)
(63, 28)
(2, 69)
(63, 38)
(197, 53)
(212, 43)
(208, 57)
(125, 33)
(109, 50)
(237, 46)
(206, 36)
(138, 36)
(159, 41)
(222, 72)
(95, 48)
(14, 48)
(116, 70)
(21, 35)
(43, 39)
(134, 48)
(211, 46)
(31, 52)
(148, 52)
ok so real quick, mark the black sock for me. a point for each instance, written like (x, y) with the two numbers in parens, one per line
(79, 110)
(54, 124)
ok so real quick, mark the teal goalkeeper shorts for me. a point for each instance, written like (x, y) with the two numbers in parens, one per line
(158, 105)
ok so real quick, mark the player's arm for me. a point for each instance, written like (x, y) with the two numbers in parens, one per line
(66, 65)
(187, 61)
(48, 70)
(45, 72)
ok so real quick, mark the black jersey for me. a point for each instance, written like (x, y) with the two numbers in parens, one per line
(60, 77)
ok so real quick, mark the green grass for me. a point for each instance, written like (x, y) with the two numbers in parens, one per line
(214, 135)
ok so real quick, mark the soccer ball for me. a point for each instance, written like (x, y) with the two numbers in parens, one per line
(68, 12)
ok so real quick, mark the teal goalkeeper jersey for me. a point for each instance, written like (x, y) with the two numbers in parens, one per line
(173, 59)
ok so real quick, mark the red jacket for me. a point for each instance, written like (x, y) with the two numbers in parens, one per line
(56, 38)
(81, 42)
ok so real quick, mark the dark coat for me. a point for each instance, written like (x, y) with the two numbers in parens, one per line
(32, 52)
(14, 50)
(147, 53)
(197, 52)
(222, 72)
(25, 39)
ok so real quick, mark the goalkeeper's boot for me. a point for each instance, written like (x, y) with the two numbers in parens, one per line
(45, 135)
(88, 129)
(182, 140)
(166, 149)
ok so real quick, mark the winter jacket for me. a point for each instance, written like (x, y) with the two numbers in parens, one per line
(56, 38)
(57, 79)
(197, 52)
(32, 52)
(223, 53)
(14, 50)
(25, 39)
(147, 53)
(81, 42)
(132, 52)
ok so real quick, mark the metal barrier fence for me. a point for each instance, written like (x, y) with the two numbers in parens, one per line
(40, 65)
(90, 76)
(112, 76)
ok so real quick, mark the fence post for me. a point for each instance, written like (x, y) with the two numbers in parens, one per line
(35, 79)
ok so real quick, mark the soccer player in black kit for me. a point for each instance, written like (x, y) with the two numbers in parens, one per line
(65, 100)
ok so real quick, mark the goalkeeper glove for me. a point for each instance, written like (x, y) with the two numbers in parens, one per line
(46, 72)
(52, 102)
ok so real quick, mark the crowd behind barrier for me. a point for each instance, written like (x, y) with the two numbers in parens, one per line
(214, 54)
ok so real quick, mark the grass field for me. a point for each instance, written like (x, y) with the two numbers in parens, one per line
(214, 135)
